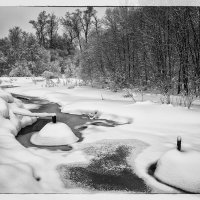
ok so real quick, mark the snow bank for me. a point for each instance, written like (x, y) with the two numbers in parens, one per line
(4, 111)
(157, 125)
(6, 96)
(24, 112)
(18, 103)
(98, 109)
(9, 107)
(53, 134)
(18, 166)
(14, 179)
(180, 169)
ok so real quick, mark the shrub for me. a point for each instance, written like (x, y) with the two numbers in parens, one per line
(183, 100)
(49, 75)
(165, 99)
(71, 87)
(20, 70)
(55, 68)
(129, 93)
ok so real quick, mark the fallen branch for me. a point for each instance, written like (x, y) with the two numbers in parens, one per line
(21, 112)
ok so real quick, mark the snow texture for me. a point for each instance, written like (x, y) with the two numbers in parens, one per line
(180, 169)
(18, 166)
(53, 134)
(155, 124)
(6, 96)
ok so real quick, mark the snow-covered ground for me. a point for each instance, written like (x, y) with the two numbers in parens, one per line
(155, 124)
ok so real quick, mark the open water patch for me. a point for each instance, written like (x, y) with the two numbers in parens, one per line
(107, 171)
(73, 121)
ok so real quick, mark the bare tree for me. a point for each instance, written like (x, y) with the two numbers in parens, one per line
(72, 25)
(52, 28)
(41, 27)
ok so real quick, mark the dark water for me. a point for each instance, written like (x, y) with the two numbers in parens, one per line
(106, 172)
(71, 120)
(151, 169)
(45, 106)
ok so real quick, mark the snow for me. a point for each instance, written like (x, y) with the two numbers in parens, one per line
(78, 156)
(14, 179)
(4, 108)
(26, 121)
(180, 169)
(103, 109)
(18, 165)
(6, 123)
(22, 111)
(19, 103)
(6, 96)
(53, 134)
(31, 106)
(155, 124)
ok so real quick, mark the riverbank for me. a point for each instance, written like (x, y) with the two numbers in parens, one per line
(154, 124)
(119, 176)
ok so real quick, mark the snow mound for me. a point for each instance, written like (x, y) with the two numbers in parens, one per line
(54, 134)
(18, 103)
(6, 96)
(4, 111)
(9, 125)
(180, 169)
(18, 178)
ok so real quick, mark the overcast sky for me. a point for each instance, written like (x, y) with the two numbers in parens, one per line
(20, 16)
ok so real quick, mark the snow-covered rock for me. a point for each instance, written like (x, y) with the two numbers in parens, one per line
(8, 124)
(4, 111)
(180, 169)
(15, 120)
(6, 96)
(27, 120)
(54, 134)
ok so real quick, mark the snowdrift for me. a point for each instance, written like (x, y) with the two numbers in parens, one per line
(180, 169)
(17, 163)
(9, 119)
(50, 136)
(27, 170)
(98, 109)
(154, 124)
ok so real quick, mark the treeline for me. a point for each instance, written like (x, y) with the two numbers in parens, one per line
(143, 47)
(148, 47)
(28, 54)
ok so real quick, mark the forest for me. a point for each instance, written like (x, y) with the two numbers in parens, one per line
(130, 47)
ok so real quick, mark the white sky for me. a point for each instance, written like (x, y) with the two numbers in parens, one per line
(20, 16)
(13, 15)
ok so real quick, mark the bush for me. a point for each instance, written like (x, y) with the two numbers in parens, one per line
(165, 99)
(55, 68)
(71, 87)
(50, 83)
(48, 75)
(20, 70)
(129, 94)
(112, 86)
(183, 100)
